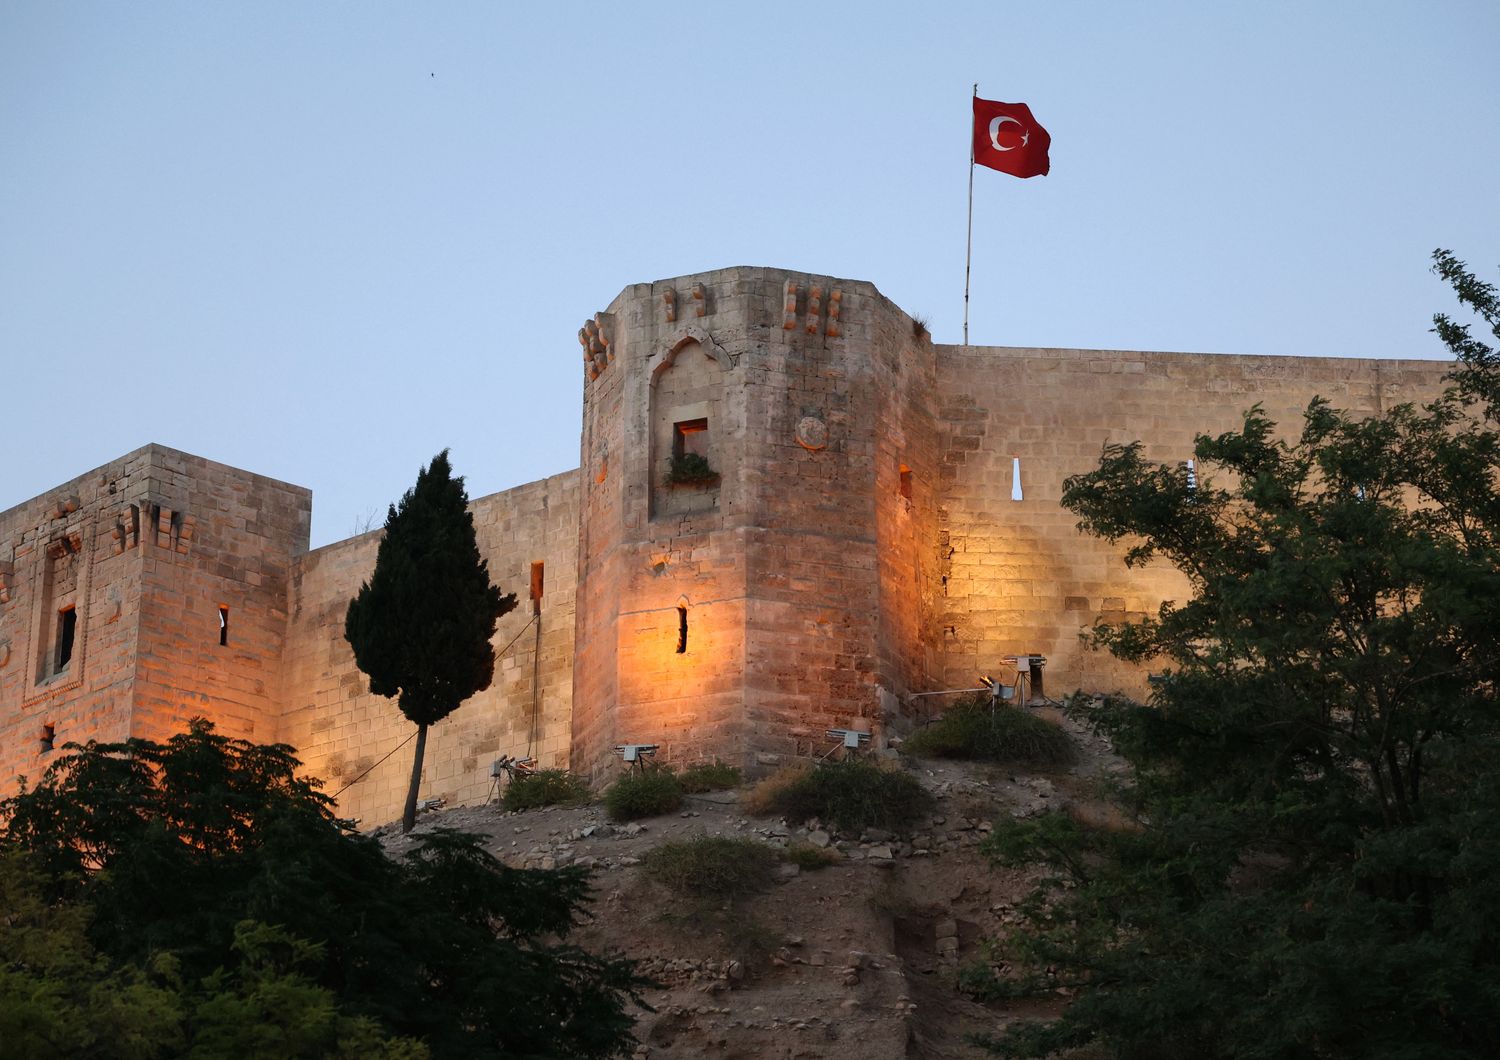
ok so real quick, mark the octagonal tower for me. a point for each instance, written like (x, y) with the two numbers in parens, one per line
(739, 614)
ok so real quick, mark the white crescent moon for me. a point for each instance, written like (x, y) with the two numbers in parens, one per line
(995, 124)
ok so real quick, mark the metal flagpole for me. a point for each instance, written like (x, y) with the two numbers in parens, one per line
(969, 246)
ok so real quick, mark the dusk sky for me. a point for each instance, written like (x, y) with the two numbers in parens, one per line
(324, 241)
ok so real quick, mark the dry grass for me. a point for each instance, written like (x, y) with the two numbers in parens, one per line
(765, 796)
(713, 866)
(709, 776)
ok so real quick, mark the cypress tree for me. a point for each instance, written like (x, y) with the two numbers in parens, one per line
(421, 626)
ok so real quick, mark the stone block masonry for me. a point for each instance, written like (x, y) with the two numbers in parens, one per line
(1016, 575)
(146, 592)
(340, 730)
(882, 518)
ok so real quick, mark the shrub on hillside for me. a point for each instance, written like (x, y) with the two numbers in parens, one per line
(643, 793)
(809, 858)
(764, 799)
(972, 729)
(709, 776)
(713, 866)
(851, 795)
(545, 787)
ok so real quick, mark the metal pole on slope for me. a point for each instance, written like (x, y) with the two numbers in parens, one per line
(969, 246)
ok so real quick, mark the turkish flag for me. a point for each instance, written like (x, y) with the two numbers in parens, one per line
(1008, 138)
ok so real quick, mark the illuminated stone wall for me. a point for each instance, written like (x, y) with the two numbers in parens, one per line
(858, 543)
(225, 539)
(144, 551)
(796, 577)
(1017, 577)
(341, 730)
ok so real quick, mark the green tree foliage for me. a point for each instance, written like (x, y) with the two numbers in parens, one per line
(421, 626)
(197, 898)
(1308, 864)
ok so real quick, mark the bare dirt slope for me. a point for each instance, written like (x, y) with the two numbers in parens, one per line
(856, 960)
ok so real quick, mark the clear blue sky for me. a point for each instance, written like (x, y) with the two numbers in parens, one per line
(324, 241)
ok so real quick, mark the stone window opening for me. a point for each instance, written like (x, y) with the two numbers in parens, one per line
(537, 577)
(682, 629)
(1015, 479)
(905, 482)
(47, 738)
(690, 438)
(690, 465)
(67, 632)
(223, 625)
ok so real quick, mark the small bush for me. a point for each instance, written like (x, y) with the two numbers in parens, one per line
(1008, 734)
(712, 866)
(809, 858)
(764, 799)
(977, 979)
(643, 793)
(709, 776)
(545, 787)
(851, 795)
(690, 469)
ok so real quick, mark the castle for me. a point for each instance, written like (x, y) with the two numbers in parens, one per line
(880, 517)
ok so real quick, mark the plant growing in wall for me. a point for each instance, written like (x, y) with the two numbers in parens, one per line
(421, 626)
(691, 469)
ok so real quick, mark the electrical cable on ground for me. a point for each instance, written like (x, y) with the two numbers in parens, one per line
(498, 656)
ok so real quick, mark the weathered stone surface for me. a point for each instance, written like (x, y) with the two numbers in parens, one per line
(858, 542)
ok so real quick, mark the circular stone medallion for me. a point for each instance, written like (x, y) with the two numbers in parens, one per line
(812, 433)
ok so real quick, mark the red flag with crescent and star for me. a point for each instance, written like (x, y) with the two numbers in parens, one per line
(1008, 138)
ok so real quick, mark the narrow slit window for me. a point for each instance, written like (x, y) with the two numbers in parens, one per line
(537, 572)
(67, 632)
(1015, 479)
(906, 482)
(690, 438)
(681, 630)
(47, 739)
(1192, 475)
(223, 626)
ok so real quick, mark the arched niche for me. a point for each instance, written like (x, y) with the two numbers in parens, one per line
(688, 420)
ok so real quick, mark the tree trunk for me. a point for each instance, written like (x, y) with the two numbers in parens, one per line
(409, 817)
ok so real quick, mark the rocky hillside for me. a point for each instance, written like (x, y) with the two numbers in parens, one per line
(855, 960)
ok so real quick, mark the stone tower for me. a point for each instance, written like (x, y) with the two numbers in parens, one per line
(144, 593)
(740, 617)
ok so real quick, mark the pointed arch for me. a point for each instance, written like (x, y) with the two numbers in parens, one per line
(681, 339)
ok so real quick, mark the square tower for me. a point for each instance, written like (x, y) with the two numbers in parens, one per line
(142, 594)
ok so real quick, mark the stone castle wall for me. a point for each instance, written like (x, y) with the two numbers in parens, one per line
(1017, 577)
(861, 543)
(341, 731)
